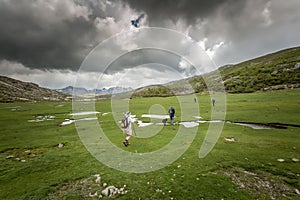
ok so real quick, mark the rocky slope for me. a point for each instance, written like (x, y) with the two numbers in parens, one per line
(12, 90)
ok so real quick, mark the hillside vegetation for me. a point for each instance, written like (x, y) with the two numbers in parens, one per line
(279, 70)
(274, 71)
(12, 90)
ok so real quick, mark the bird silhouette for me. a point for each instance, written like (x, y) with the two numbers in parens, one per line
(136, 22)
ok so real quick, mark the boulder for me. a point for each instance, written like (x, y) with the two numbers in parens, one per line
(230, 139)
(93, 195)
(9, 157)
(109, 191)
(98, 178)
(60, 145)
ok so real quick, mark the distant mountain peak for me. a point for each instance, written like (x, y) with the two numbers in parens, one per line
(82, 91)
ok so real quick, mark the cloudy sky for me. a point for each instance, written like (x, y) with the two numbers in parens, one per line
(49, 42)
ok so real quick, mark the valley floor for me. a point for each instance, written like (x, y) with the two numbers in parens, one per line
(43, 159)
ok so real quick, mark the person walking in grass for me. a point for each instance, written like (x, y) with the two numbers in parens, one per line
(126, 126)
(213, 102)
(172, 114)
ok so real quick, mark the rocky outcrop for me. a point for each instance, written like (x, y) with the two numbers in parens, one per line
(12, 90)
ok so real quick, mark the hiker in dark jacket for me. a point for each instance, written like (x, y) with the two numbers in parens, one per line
(172, 114)
(213, 102)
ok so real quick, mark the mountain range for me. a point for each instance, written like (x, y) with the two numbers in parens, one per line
(279, 70)
(82, 91)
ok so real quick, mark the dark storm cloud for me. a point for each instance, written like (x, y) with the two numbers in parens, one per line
(59, 34)
(144, 56)
(41, 35)
(189, 10)
(246, 28)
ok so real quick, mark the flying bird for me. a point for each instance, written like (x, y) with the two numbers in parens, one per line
(136, 22)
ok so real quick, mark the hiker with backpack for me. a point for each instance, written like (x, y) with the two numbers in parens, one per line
(126, 126)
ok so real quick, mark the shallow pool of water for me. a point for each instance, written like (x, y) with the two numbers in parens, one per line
(156, 116)
(189, 124)
(84, 113)
(254, 126)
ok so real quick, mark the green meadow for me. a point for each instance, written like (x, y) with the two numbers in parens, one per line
(42, 160)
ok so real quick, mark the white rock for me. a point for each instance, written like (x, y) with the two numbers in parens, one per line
(93, 195)
(231, 139)
(105, 192)
(242, 185)
(295, 159)
(280, 160)
(297, 191)
(104, 184)
(98, 179)
(109, 191)
(10, 156)
(23, 161)
(251, 173)
(158, 190)
(113, 192)
(60, 145)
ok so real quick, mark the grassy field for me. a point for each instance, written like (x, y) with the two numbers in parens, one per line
(33, 166)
